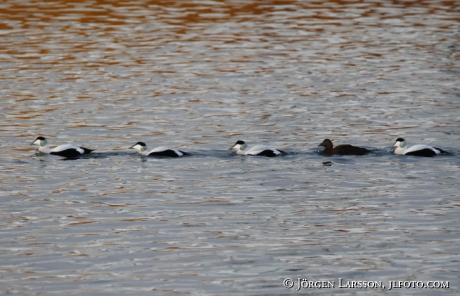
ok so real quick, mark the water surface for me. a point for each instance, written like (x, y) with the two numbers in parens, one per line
(199, 76)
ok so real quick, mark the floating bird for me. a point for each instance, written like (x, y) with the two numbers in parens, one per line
(342, 149)
(159, 151)
(66, 150)
(259, 150)
(417, 150)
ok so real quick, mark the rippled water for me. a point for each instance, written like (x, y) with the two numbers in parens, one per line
(198, 76)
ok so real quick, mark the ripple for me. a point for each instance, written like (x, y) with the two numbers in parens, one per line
(198, 76)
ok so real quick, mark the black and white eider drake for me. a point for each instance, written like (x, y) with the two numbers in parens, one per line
(259, 150)
(66, 150)
(159, 151)
(417, 150)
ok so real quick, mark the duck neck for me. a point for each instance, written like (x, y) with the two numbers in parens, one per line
(44, 148)
(242, 149)
(143, 151)
(400, 150)
(328, 147)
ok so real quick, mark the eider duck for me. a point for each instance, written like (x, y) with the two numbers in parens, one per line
(342, 149)
(259, 150)
(141, 147)
(66, 150)
(417, 150)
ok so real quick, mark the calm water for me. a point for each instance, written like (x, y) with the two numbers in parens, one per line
(198, 76)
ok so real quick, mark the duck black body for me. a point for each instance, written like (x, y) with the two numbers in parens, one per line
(345, 149)
(423, 150)
(66, 150)
(141, 147)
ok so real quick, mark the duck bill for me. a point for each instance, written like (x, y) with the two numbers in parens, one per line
(231, 148)
(132, 147)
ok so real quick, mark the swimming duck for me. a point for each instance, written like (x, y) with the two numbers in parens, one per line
(66, 150)
(259, 150)
(417, 150)
(342, 149)
(141, 147)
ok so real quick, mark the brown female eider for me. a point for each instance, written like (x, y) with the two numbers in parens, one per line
(342, 149)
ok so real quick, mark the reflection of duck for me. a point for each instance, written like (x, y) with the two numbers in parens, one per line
(417, 150)
(66, 150)
(342, 149)
(159, 151)
(259, 150)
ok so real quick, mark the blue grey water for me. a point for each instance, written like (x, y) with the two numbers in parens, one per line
(199, 76)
